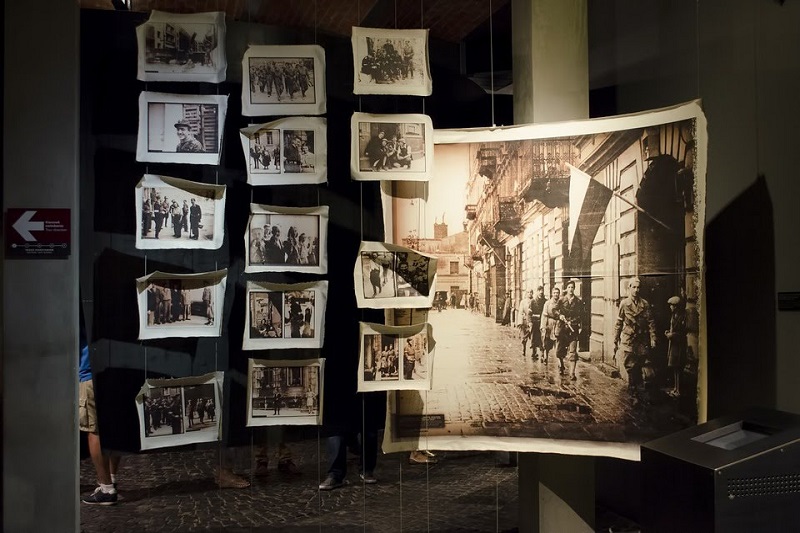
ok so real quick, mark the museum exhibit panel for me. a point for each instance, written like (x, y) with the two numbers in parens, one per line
(503, 260)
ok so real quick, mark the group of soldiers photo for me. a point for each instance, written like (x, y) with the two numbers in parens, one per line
(169, 303)
(282, 77)
(389, 61)
(162, 212)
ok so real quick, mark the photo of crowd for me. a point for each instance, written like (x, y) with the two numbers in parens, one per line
(172, 214)
(284, 79)
(389, 61)
(277, 239)
(180, 302)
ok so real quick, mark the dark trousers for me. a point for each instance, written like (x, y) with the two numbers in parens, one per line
(337, 454)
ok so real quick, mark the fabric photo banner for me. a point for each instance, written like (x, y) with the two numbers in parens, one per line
(387, 275)
(285, 392)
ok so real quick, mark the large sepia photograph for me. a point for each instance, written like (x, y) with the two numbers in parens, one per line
(175, 412)
(172, 213)
(389, 276)
(391, 62)
(283, 80)
(567, 308)
(391, 147)
(395, 357)
(288, 151)
(178, 47)
(287, 239)
(180, 305)
(177, 128)
(285, 393)
(282, 316)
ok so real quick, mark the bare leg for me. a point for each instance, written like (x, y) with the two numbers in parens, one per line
(102, 463)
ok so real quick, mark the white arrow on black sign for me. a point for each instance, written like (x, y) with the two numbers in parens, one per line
(25, 226)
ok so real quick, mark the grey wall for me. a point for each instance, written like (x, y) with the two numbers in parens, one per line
(40, 297)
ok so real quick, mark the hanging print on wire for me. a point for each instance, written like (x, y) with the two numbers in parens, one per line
(391, 62)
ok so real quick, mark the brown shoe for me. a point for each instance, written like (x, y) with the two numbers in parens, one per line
(420, 458)
(228, 480)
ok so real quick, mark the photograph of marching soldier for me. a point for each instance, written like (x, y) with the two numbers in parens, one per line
(285, 316)
(287, 151)
(391, 62)
(395, 357)
(587, 241)
(180, 305)
(287, 239)
(283, 80)
(175, 213)
(388, 276)
(391, 147)
(176, 128)
(284, 392)
(178, 47)
(174, 412)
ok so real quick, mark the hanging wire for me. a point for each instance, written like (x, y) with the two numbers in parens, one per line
(491, 58)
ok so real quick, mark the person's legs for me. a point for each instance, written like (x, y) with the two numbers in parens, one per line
(337, 462)
(102, 464)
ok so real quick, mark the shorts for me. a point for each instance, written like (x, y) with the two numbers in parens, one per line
(87, 412)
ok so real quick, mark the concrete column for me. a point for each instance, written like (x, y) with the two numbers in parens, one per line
(551, 83)
(40, 296)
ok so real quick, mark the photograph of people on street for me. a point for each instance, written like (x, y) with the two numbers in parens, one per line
(281, 316)
(391, 62)
(174, 412)
(569, 282)
(287, 151)
(283, 80)
(265, 152)
(284, 392)
(391, 147)
(277, 239)
(178, 47)
(180, 305)
(179, 128)
(394, 357)
(378, 274)
(388, 276)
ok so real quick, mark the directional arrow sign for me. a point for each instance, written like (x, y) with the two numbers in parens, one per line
(41, 233)
(24, 225)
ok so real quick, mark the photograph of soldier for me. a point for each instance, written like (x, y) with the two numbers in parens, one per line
(265, 149)
(391, 146)
(390, 62)
(200, 413)
(282, 79)
(412, 274)
(266, 314)
(178, 303)
(599, 222)
(300, 247)
(415, 357)
(190, 216)
(163, 412)
(381, 357)
(284, 391)
(182, 128)
(378, 274)
(298, 151)
(299, 314)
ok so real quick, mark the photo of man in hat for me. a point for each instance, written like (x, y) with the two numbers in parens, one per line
(186, 140)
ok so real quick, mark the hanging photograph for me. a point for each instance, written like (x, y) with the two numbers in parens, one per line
(174, 213)
(180, 305)
(391, 147)
(391, 62)
(568, 252)
(287, 239)
(179, 128)
(285, 393)
(178, 47)
(174, 412)
(395, 357)
(288, 151)
(281, 316)
(389, 276)
(283, 80)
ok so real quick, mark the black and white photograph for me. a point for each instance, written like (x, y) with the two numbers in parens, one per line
(288, 151)
(283, 316)
(287, 239)
(177, 128)
(395, 357)
(175, 412)
(180, 305)
(391, 62)
(283, 80)
(284, 392)
(172, 213)
(391, 147)
(388, 276)
(567, 305)
(182, 47)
